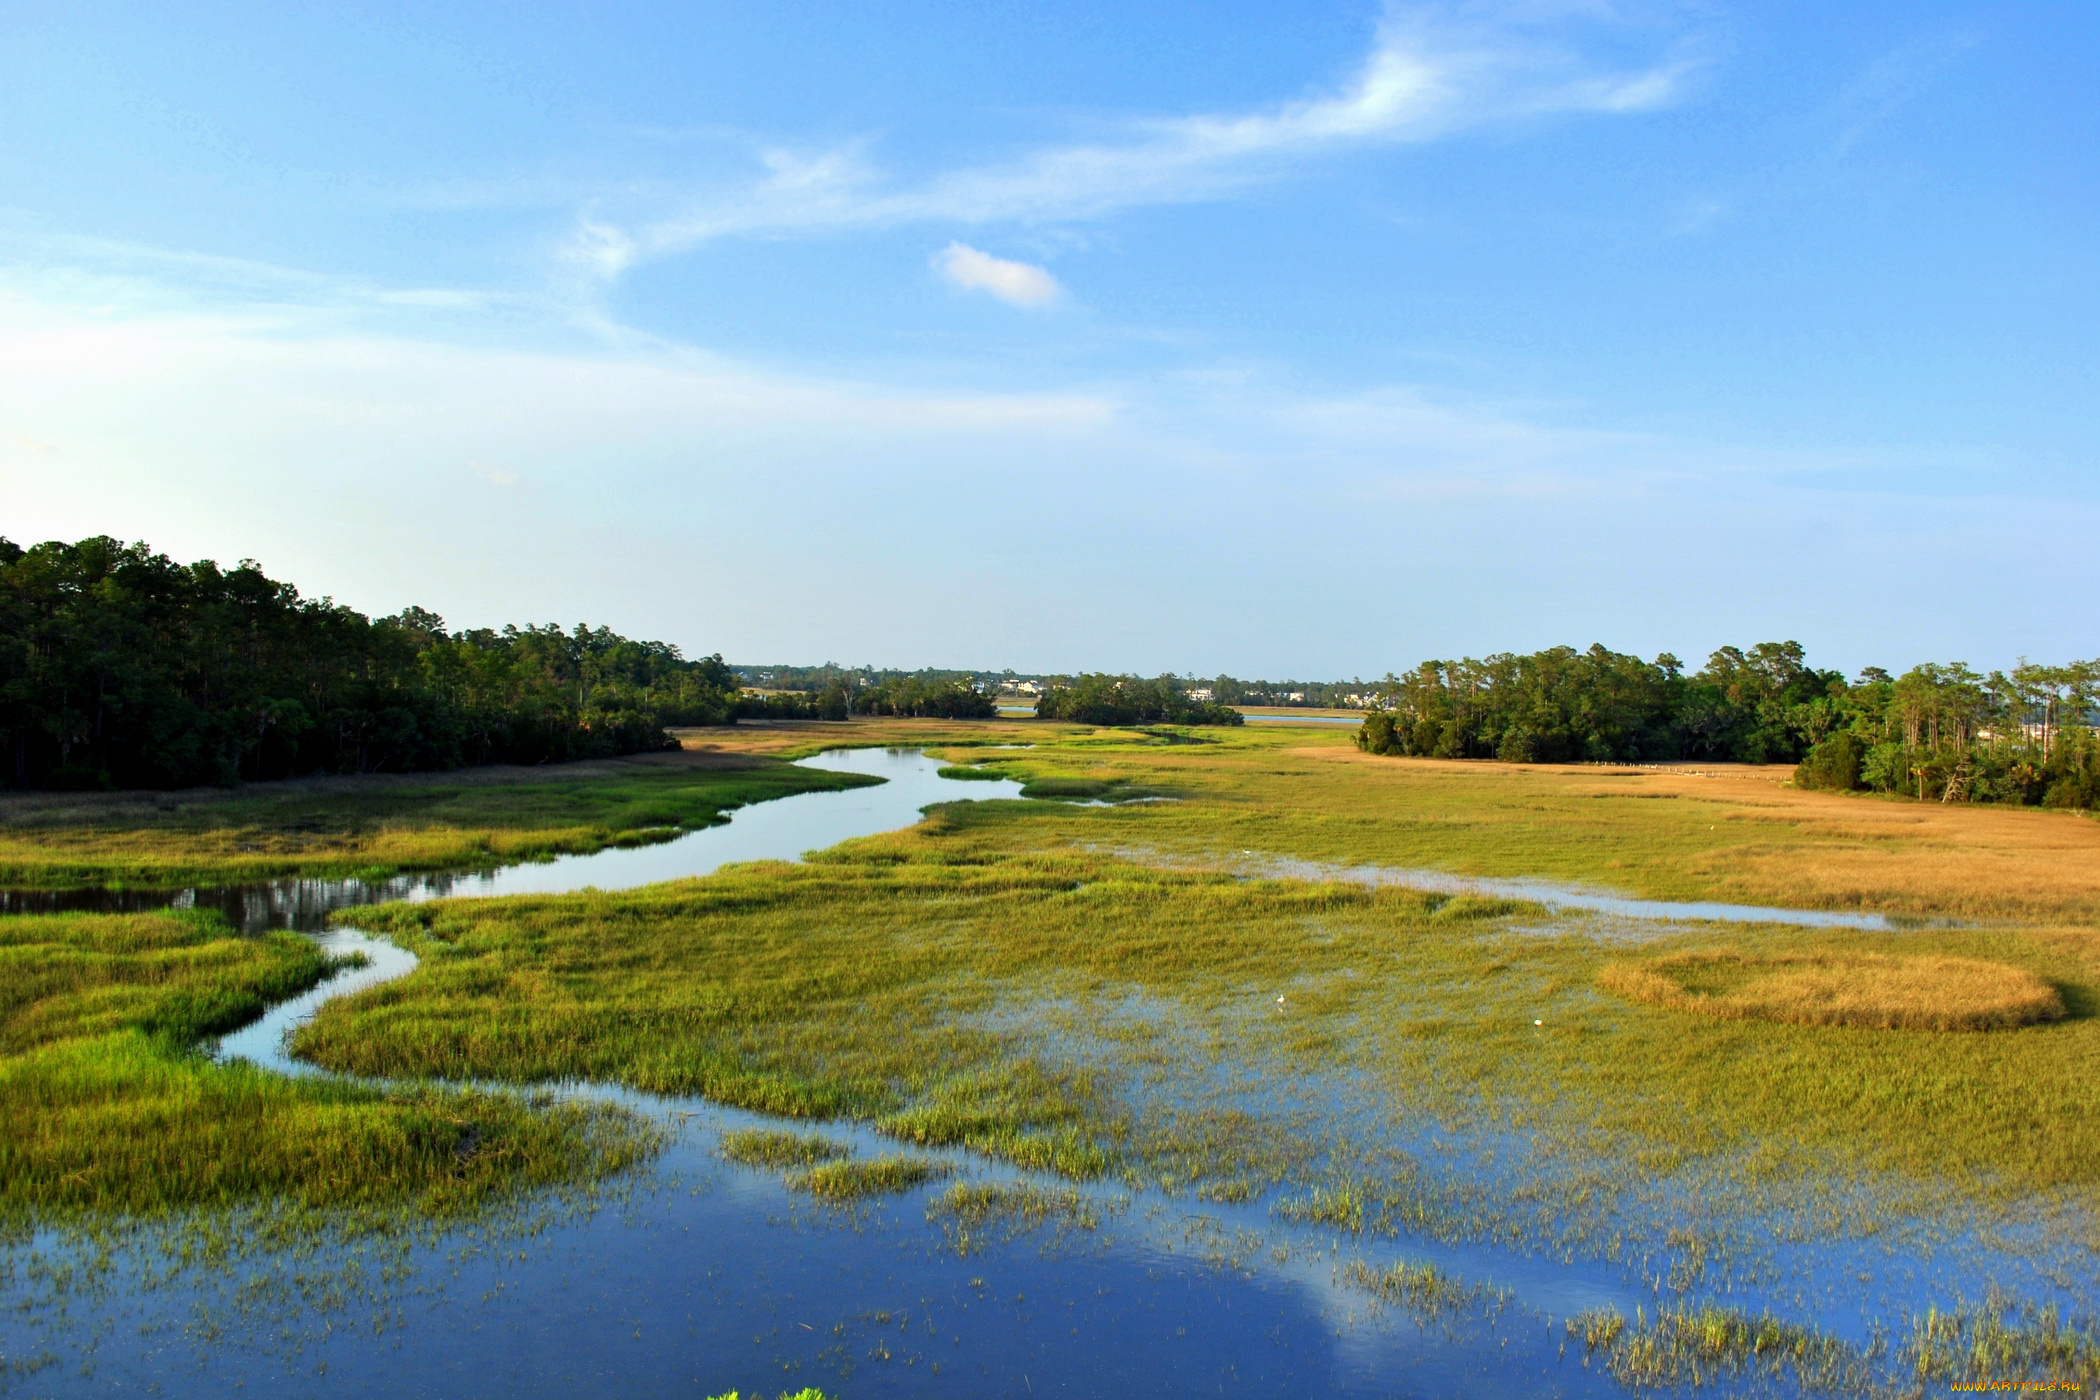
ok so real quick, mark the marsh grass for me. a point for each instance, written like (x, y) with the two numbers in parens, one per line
(1880, 991)
(1422, 1289)
(854, 1180)
(870, 984)
(1696, 1346)
(1996, 1345)
(974, 1214)
(863, 985)
(110, 1109)
(381, 827)
(2001, 1341)
(973, 772)
(778, 1149)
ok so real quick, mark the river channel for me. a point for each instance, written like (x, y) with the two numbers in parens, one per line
(699, 1277)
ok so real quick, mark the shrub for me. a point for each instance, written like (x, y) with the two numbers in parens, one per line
(1834, 764)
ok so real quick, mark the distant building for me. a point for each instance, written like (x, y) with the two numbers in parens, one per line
(1202, 693)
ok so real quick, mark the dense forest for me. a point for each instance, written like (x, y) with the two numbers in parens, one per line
(1937, 731)
(1104, 699)
(122, 668)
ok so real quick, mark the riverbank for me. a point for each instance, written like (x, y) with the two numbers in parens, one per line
(111, 1112)
(371, 826)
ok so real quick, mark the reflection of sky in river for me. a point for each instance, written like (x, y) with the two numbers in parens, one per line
(711, 1277)
(783, 829)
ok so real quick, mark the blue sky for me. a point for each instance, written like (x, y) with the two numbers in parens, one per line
(1311, 339)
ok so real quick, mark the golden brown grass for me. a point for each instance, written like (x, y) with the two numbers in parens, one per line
(1878, 990)
(1675, 831)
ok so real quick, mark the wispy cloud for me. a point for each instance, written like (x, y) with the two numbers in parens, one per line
(1891, 82)
(1015, 283)
(1425, 78)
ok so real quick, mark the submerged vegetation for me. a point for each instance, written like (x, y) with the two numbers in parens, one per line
(111, 1107)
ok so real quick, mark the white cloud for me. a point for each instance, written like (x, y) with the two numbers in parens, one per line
(1015, 283)
(1421, 81)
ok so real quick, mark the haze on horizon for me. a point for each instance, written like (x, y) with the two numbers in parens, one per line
(1298, 341)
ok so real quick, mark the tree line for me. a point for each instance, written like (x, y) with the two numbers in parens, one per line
(1937, 731)
(122, 668)
(1110, 700)
(912, 695)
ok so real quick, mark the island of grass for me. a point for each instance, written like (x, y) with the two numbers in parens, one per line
(376, 825)
(113, 1107)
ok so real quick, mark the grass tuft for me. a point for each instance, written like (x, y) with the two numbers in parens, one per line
(1422, 1289)
(767, 1147)
(881, 1176)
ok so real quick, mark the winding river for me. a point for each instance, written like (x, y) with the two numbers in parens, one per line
(704, 1277)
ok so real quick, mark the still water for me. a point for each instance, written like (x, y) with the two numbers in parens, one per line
(699, 1277)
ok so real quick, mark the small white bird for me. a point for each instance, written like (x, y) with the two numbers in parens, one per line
(1279, 999)
(1538, 1023)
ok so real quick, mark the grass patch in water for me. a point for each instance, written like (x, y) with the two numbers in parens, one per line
(110, 1109)
(971, 1213)
(2003, 1342)
(969, 773)
(1996, 1346)
(1881, 991)
(1422, 1289)
(770, 1147)
(877, 1176)
(1714, 1345)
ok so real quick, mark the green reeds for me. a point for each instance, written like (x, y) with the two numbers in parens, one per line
(110, 1109)
(855, 1180)
(768, 1147)
(971, 1214)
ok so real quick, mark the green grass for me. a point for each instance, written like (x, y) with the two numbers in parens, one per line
(110, 1111)
(769, 1147)
(974, 1214)
(1714, 1345)
(857, 1180)
(967, 772)
(378, 826)
(1422, 1289)
(858, 985)
(1038, 981)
